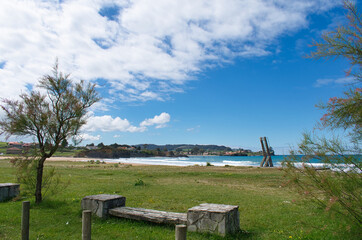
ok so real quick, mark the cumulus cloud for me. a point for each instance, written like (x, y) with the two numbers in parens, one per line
(88, 137)
(107, 123)
(139, 48)
(159, 121)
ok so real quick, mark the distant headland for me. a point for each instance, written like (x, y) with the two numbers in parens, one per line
(169, 150)
(128, 151)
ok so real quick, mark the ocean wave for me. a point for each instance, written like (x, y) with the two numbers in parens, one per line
(221, 161)
(182, 161)
(334, 167)
(240, 163)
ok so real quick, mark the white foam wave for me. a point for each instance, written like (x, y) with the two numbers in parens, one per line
(180, 162)
(333, 167)
(156, 161)
(184, 161)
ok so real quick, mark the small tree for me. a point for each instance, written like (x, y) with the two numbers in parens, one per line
(64, 143)
(50, 118)
(337, 186)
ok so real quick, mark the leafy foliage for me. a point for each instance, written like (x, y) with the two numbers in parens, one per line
(50, 118)
(338, 185)
(345, 41)
(139, 182)
(26, 176)
(344, 112)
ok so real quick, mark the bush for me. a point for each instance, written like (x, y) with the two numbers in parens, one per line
(338, 188)
(337, 184)
(139, 182)
(26, 167)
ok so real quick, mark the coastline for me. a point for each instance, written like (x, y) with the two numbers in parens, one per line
(121, 161)
(80, 159)
(217, 161)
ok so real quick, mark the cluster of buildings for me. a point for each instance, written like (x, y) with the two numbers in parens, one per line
(18, 148)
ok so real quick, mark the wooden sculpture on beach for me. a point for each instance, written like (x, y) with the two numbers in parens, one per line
(267, 161)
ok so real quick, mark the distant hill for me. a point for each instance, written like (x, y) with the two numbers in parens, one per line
(173, 147)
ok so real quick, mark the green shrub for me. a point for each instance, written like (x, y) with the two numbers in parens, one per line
(139, 182)
(337, 189)
(332, 187)
(25, 174)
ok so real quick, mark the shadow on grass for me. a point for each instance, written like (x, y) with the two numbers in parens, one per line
(170, 227)
(50, 204)
(239, 235)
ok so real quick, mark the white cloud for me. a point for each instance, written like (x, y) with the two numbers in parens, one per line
(107, 123)
(160, 120)
(332, 81)
(88, 137)
(194, 129)
(149, 46)
(103, 105)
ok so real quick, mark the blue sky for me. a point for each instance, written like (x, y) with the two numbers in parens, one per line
(171, 72)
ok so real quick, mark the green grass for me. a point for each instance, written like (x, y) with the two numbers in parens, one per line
(66, 153)
(267, 210)
(3, 147)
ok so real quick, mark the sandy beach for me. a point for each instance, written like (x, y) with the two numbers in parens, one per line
(217, 161)
(72, 159)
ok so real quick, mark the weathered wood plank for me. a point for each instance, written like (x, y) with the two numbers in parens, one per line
(149, 215)
(269, 160)
(264, 152)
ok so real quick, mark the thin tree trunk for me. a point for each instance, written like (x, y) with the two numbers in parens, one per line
(39, 180)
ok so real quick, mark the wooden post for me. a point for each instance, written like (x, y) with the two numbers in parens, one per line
(264, 153)
(25, 220)
(86, 224)
(269, 162)
(181, 231)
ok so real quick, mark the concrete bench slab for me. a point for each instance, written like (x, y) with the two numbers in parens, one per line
(9, 191)
(101, 204)
(149, 215)
(214, 218)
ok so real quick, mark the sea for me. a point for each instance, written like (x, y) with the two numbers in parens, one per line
(199, 160)
(247, 161)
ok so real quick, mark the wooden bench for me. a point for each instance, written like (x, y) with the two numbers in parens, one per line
(214, 218)
(149, 215)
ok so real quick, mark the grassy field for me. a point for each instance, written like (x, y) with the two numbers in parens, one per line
(267, 209)
(3, 147)
(59, 153)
